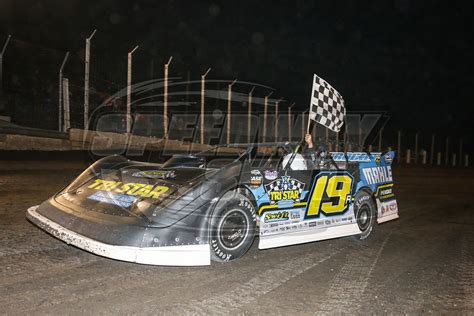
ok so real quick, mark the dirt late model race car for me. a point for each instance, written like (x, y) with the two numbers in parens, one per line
(194, 208)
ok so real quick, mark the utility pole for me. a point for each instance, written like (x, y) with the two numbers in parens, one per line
(265, 112)
(165, 103)
(129, 89)
(229, 103)
(86, 80)
(249, 115)
(203, 92)
(60, 101)
(289, 121)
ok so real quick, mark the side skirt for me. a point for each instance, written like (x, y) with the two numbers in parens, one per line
(273, 241)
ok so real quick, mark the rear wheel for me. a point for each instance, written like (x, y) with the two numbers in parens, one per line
(365, 212)
(232, 227)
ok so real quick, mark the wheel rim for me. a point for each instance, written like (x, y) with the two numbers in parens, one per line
(363, 218)
(233, 229)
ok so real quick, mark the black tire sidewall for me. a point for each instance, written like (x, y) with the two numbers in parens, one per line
(361, 200)
(227, 205)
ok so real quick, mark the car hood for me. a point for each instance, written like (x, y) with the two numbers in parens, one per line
(133, 190)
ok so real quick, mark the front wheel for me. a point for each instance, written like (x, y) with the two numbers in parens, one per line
(365, 212)
(232, 227)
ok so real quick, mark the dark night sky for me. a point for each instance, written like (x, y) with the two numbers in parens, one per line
(413, 59)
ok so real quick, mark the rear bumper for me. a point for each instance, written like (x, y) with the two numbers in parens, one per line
(185, 255)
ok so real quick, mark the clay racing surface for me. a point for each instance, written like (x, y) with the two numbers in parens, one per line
(423, 262)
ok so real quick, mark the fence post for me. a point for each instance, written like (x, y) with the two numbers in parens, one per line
(165, 99)
(249, 114)
(229, 109)
(265, 114)
(454, 160)
(408, 156)
(302, 126)
(446, 158)
(466, 161)
(277, 103)
(129, 90)
(423, 157)
(399, 144)
(67, 118)
(60, 103)
(289, 121)
(380, 139)
(438, 159)
(86, 80)
(432, 148)
(416, 148)
(1, 71)
(203, 92)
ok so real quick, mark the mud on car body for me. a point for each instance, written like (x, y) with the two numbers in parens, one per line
(210, 206)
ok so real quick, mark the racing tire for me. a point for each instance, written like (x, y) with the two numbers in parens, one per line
(365, 211)
(232, 227)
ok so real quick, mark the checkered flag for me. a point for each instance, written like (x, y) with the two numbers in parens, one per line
(327, 105)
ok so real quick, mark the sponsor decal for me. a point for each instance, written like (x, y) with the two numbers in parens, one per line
(279, 216)
(129, 188)
(378, 159)
(155, 174)
(359, 201)
(312, 224)
(388, 207)
(356, 156)
(388, 157)
(255, 178)
(270, 174)
(118, 199)
(295, 215)
(385, 192)
(376, 175)
(285, 188)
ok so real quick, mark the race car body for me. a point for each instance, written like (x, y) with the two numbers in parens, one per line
(194, 208)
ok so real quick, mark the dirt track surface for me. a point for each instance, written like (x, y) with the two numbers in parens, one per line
(423, 262)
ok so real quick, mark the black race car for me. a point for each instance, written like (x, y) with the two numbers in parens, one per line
(211, 205)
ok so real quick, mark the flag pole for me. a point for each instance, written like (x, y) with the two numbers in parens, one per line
(309, 123)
